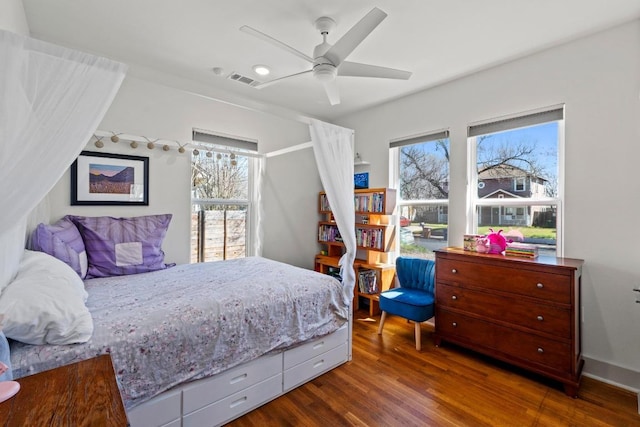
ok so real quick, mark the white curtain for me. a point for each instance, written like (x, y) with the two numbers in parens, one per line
(51, 101)
(332, 147)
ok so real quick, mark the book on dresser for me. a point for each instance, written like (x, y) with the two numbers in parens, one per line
(524, 311)
(375, 239)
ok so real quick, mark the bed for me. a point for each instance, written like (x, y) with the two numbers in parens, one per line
(202, 344)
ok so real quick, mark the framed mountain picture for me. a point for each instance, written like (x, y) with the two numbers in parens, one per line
(109, 179)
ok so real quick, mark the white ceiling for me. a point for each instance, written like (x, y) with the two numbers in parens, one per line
(178, 42)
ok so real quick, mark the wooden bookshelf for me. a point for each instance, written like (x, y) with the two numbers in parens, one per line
(375, 239)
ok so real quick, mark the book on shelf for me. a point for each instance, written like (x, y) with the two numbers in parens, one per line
(369, 202)
(367, 282)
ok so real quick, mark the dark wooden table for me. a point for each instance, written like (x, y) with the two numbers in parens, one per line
(80, 394)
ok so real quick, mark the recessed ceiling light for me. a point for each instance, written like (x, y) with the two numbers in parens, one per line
(261, 70)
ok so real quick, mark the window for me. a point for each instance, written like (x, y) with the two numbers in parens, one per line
(420, 172)
(518, 161)
(222, 207)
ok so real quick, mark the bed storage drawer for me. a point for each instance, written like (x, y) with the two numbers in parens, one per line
(314, 348)
(235, 405)
(311, 368)
(207, 390)
(164, 410)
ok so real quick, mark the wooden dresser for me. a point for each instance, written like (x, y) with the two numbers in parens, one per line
(523, 311)
(81, 394)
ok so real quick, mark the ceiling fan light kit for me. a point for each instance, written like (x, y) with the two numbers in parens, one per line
(328, 60)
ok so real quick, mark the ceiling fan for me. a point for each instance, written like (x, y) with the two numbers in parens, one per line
(328, 60)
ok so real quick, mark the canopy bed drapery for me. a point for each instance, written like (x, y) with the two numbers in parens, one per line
(51, 100)
(332, 147)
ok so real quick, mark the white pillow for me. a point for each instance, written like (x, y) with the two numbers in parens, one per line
(45, 303)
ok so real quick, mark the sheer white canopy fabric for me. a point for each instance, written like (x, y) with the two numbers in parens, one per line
(51, 101)
(332, 147)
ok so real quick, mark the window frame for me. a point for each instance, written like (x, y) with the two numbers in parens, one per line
(220, 143)
(395, 147)
(495, 125)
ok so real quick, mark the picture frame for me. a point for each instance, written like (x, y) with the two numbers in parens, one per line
(100, 179)
(361, 180)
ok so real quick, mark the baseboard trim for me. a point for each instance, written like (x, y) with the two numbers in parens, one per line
(612, 374)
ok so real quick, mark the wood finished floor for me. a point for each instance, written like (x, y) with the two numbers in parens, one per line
(389, 383)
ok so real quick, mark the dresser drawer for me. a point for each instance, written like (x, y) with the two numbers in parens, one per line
(160, 411)
(537, 284)
(318, 346)
(235, 405)
(311, 368)
(528, 313)
(204, 391)
(486, 336)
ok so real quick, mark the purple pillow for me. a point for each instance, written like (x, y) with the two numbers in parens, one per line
(119, 246)
(62, 240)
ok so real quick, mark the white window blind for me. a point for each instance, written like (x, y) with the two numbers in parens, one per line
(200, 135)
(432, 136)
(501, 125)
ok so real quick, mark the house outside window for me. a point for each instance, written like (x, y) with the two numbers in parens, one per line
(222, 204)
(518, 161)
(420, 173)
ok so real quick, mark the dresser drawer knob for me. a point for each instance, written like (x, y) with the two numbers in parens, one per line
(540, 318)
(540, 350)
(454, 271)
(454, 324)
(453, 297)
(540, 285)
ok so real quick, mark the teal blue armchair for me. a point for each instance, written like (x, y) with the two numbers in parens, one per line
(414, 299)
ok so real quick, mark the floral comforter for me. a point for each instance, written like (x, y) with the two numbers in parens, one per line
(192, 321)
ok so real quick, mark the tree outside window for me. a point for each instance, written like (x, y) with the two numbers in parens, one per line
(220, 205)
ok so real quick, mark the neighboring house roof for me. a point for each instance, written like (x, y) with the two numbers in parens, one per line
(505, 171)
(507, 195)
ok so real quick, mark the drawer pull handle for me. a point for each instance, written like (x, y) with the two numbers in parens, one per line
(318, 345)
(237, 402)
(540, 350)
(454, 324)
(540, 285)
(318, 364)
(540, 318)
(453, 297)
(454, 271)
(239, 378)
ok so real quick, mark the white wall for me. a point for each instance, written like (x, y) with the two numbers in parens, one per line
(148, 109)
(12, 17)
(291, 190)
(598, 79)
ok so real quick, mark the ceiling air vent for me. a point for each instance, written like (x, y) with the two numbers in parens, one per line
(243, 79)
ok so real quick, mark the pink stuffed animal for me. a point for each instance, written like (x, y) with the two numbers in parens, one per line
(497, 242)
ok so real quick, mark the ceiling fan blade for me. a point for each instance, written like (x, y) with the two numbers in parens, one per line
(347, 43)
(278, 43)
(331, 87)
(270, 82)
(357, 69)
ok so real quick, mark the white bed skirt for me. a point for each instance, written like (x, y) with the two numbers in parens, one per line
(219, 399)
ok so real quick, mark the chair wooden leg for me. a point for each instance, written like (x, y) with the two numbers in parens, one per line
(383, 316)
(418, 336)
